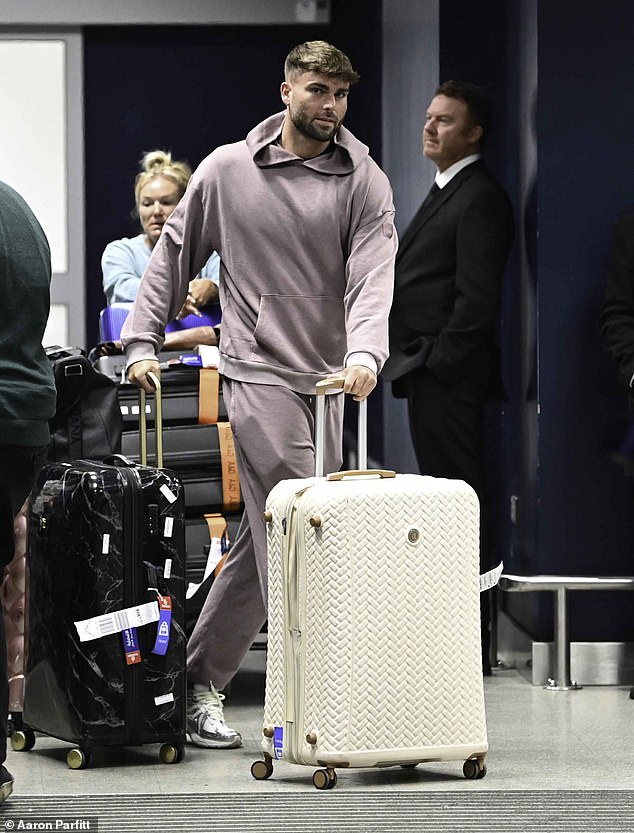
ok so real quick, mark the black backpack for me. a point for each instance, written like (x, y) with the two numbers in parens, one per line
(87, 422)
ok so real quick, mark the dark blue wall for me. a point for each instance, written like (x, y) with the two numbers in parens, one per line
(585, 125)
(549, 445)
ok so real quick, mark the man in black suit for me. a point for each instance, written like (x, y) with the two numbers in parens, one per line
(443, 353)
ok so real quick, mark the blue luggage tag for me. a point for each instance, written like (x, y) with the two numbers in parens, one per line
(191, 361)
(278, 742)
(165, 620)
(131, 646)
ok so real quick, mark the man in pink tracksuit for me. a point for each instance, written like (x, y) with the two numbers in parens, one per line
(302, 219)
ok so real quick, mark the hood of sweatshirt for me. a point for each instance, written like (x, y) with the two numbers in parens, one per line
(344, 156)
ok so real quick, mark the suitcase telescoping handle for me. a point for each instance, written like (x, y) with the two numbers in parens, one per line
(327, 386)
(323, 388)
(158, 422)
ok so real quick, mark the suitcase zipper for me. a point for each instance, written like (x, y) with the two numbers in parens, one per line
(293, 553)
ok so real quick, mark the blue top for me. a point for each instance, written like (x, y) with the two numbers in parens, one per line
(123, 264)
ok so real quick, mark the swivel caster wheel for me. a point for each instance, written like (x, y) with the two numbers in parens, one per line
(172, 753)
(79, 758)
(22, 739)
(474, 768)
(261, 770)
(324, 779)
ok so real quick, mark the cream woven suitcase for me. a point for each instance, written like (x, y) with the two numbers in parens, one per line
(374, 652)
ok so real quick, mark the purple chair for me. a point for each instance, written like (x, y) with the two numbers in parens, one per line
(111, 320)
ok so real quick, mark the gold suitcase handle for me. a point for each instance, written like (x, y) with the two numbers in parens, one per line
(341, 475)
(158, 422)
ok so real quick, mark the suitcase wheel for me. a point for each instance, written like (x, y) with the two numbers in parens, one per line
(474, 768)
(324, 779)
(79, 758)
(261, 770)
(22, 739)
(172, 753)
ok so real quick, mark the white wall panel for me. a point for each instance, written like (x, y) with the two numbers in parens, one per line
(42, 157)
(33, 137)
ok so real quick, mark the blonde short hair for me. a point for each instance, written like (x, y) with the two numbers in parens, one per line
(160, 163)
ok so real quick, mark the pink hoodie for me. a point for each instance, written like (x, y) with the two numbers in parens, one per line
(307, 250)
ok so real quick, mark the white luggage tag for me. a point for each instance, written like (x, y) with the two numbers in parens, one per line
(491, 578)
(215, 554)
(118, 620)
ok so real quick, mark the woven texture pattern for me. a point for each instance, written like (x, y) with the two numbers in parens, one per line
(389, 609)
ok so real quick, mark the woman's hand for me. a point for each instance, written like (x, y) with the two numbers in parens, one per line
(202, 291)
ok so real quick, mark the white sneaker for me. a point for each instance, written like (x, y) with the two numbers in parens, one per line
(205, 722)
(6, 783)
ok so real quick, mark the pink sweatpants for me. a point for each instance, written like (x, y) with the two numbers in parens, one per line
(273, 429)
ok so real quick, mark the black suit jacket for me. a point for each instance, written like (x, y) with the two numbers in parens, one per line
(448, 278)
(617, 313)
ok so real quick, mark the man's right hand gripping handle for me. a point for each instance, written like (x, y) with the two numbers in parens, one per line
(137, 373)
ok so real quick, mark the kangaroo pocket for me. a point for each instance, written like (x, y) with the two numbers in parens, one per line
(306, 334)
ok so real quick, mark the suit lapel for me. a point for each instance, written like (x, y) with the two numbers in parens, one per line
(425, 212)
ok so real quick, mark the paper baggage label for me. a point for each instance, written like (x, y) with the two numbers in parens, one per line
(490, 579)
(117, 621)
(213, 559)
(164, 698)
(167, 493)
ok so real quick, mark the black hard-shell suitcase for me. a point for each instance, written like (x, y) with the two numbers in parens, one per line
(106, 664)
(195, 453)
(190, 395)
(110, 360)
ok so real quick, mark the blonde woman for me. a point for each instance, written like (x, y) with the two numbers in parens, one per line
(158, 188)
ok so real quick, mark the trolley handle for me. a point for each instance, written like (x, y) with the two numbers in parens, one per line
(158, 421)
(381, 474)
(328, 386)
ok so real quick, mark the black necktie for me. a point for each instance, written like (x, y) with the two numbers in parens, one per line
(433, 191)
